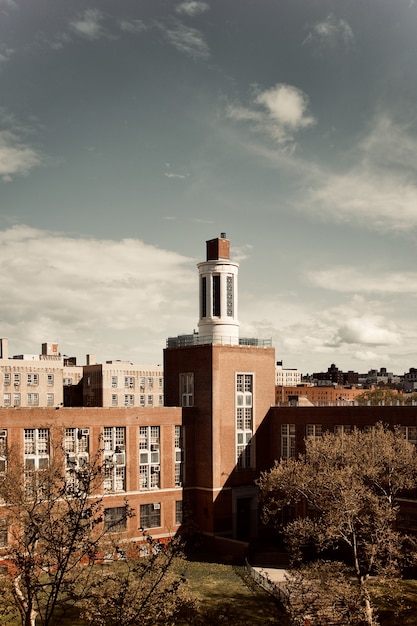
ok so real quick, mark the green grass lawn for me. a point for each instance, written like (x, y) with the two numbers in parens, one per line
(227, 595)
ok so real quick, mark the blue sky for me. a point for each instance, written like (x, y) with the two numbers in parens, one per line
(131, 131)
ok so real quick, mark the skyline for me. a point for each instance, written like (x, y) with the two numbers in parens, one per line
(133, 131)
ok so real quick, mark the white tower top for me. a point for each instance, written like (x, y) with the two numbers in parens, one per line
(218, 294)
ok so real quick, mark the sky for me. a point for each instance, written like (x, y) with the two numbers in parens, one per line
(132, 131)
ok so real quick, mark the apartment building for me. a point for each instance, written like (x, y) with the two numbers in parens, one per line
(120, 383)
(286, 377)
(321, 395)
(31, 380)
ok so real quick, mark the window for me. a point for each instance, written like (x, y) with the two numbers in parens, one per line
(216, 295)
(187, 389)
(160, 382)
(114, 382)
(129, 382)
(149, 457)
(129, 399)
(3, 532)
(115, 519)
(179, 455)
(50, 399)
(114, 399)
(3, 451)
(178, 512)
(287, 441)
(76, 447)
(203, 296)
(409, 433)
(16, 379)
(244, 420)
(7, 378)
(49, 379)
(150, 382)
(342, 429)
(6, 399)
(32, 379)
(161, 400)
(142, 399)
(229, 296)
(16, 399)
(142, 382)
(314, 430)
(114, 441)
(33, 399)
(150, 515)
(36, 457)
(67, 382)
(150, 400)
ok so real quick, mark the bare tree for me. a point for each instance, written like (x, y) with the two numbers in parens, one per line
(144, 585)
(345, 489)
(55, 524)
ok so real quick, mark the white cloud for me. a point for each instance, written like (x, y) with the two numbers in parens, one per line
(346, 279)
(92, 295)
(279, 112)
(89, 24)
(379, 191)
(330, 33)
(368, 330)
(16, 156)
(187, 40)
(192, 8)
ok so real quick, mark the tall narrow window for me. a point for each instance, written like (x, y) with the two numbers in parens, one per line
(114, 441)
(179, 456)
(76, 447)
(244, 420)
(203, 296)
(149, 457)
(287, 441)
(229, 296)
(216, 295)
(3, 451)
(187, 389)
(36, 457)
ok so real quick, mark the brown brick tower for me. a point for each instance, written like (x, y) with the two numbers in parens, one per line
(225, 385)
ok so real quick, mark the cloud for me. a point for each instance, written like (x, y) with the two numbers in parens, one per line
(379, 190)
(368, 330)
(88, 25)
(330, 33)
(192, 8)
(8, 4)
(132, 26)
(346, 279)
(5, 54)
(279, 112)
(16, 156)
(187, 40)
(92, 295)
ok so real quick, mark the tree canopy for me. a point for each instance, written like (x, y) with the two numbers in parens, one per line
(345, 491)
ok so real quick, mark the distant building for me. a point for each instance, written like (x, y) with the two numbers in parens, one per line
(286, 377)
(335, 376)
(120, 383)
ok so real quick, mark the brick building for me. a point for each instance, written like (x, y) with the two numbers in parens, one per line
(204, 449)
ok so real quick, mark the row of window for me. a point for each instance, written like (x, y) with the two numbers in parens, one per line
(128, 399)
(129, 382)
(32, 399)
(115, 520)
(31, 378)
(316, 430)
(76, 447)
